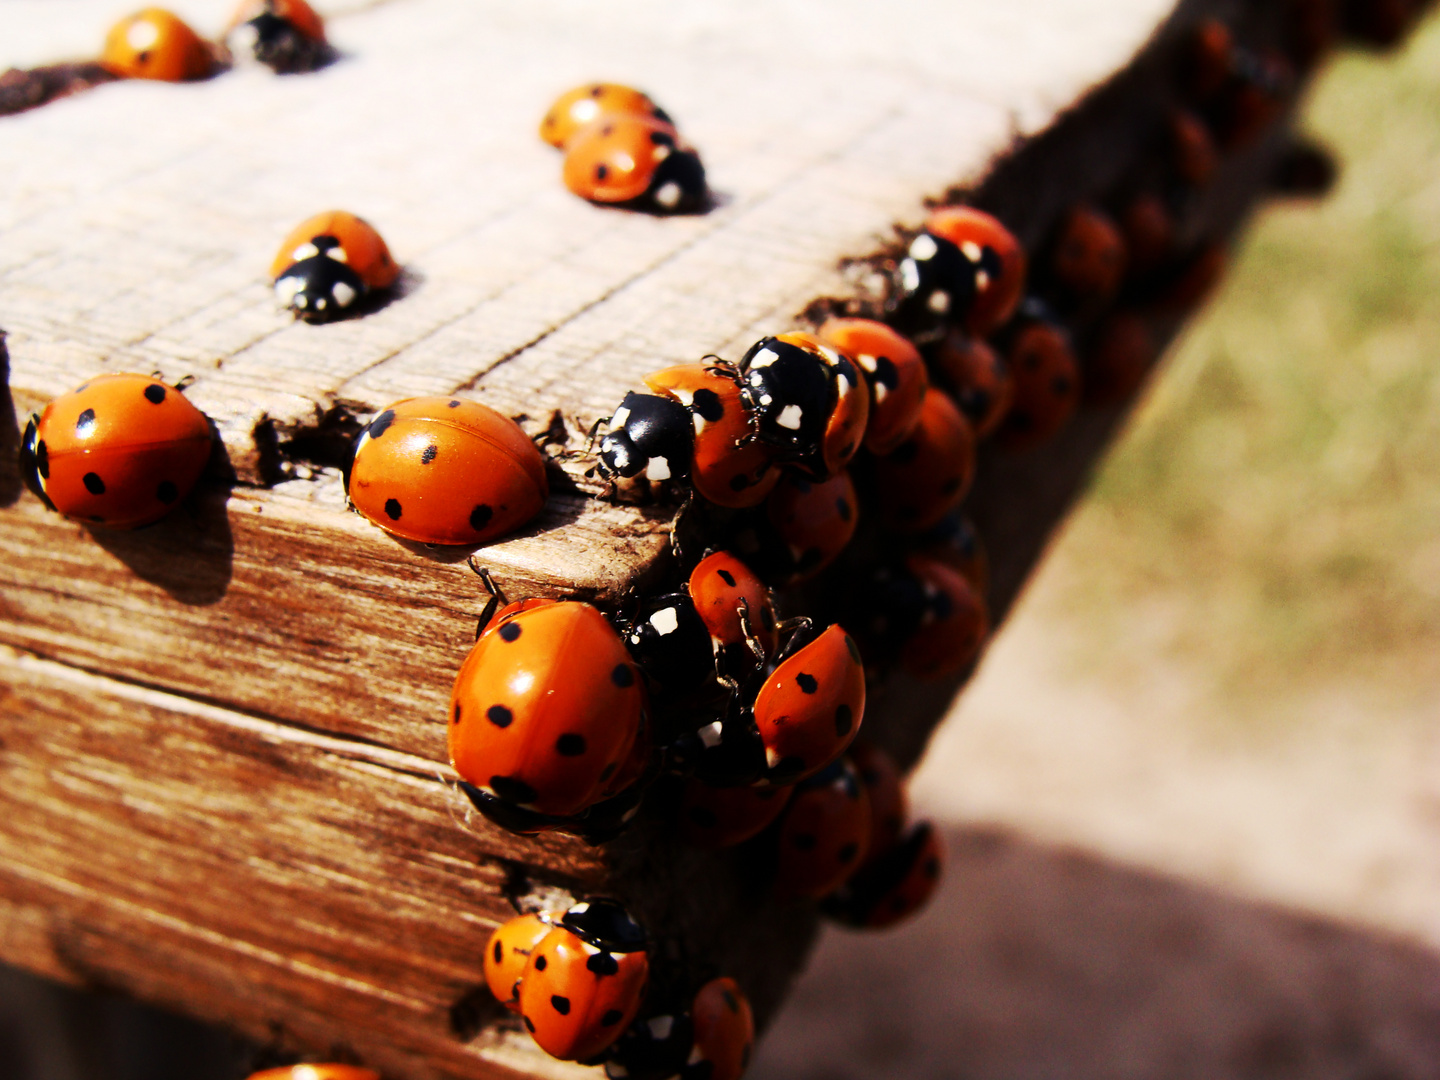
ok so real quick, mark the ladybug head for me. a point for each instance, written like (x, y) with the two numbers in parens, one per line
(319, 285)
(35, 461)
(606, 925)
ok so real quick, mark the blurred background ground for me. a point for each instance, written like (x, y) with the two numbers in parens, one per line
(1192, 800)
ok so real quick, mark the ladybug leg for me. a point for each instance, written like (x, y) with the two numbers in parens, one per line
(799, 630)
(752, 642)
(185, 382)
(497, 596)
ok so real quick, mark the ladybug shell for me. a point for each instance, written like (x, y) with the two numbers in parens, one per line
(619, 159)
(578, 108)
(816, 520)
(1193, 154)
(720, 587)
(721, 817)
(297, 13)
(824, 834)
(896, 374)
(1210, 59)
(316, 1072)
(885, 789)
(956, 543)
(154, 44)
(441, 470)
(805, 401)
(546, 709)
(931, 472)
(1088, 259)
(892, 886)
(1149, 230)
(508, 951)
(724, 1030)
(728, 468)
(956, 624)
(977, 379)
(1047, 386)
(997, 290)
(327, 262)
(810, 707)
(577, 998)
(119, 451)
(1120, 355)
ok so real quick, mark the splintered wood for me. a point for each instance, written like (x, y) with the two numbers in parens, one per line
(225, 786)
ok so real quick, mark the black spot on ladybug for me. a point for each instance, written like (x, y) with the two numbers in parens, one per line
(392, 509)
(94, 484)
(807, 683)
(851, 649)
(842, 507)
(602, 963)
(596, 91)
(381, 423)
(529, 1024)
(510, 631)
(707, 404)
(844, 720)
(96, 517)
(608, 129)
(541, 963)
(499, 952)
(560, 1004)
(480, 517)
(428, 454)
(661, 138)
(455, 719)
(931, 869)
(622, 676)
(143, 58)
(167, 492)
(42, 460)
(739, 482)
(611, 1018)
(906, 452)
(703, 816)
(85, 423)
(727, 577)
(155, 393)
(601, 172)
(570, 745)
(730, 1002)
(512, 790)
(454, 403)
(886, 374)
(848, 851)
(499, 715)
(804, 841)
(1061, 386)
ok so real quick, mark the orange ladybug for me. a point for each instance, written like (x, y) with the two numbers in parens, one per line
(1193, 154)
(958, 622)
(584, 981)
(810, 707)
(327, 263)
(1047, 385)
(824, 834)
(508, 951)
(978, 380)
(1120, 354)
(1209, 61)
(155, 44)
(285, 35)
(815, 521)
(1088, 259)
(120, 451)
(722, 588)
(577, 109)
(546, 709)
(885, 789)
(892, 886)
(930, 473)
(1149, 231)
(326, 1071)
(896, 374)
(721, 817)
(441, 470)
(724, 1031)
(637, 160)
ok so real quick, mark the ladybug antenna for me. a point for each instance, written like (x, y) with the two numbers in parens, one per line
(185, 383)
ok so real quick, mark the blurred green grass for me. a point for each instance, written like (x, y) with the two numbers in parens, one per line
(1271, 516)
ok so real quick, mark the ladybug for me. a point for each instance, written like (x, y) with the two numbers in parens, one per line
(1193, 154)
(546, 710)
(443, 470)
(577, 109)
(1149, 230)
(653, 1047)
(727, 752)
(1088, 258)
(929, 474)
(635, 160)
(326, 1071)
(724, 1029)
(892, 886)
(814, 521)
(1047, 384)
(1120, 354)
(120, 451)
(809, 708)
(508, 951)
(154, 44)
(327, 263)
(1255, 98)
(727, 467)
(977, 379)
(650, 435)
(670, 641)
(956, 543)
(721, 817)
(965, 268)
(584, 981)
(954, 625)
(823, 837)
(885, 790)
(284, 35)
(736, 609)
(1209, 60)
(896, 373)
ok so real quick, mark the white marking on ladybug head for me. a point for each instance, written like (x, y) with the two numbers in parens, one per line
(584, 110)
(285, 290)
(866, 361)
(304, 1072)
(337, 253)
(763, 358)
(320, 303)
(939, 302)
(923, 247)
(142, 34)
(684, 396)
(661, 1026)
(301, 300)
(710, 734)
(243, 40)
(622, 414)
(772, 756)
(343, 293)
(845, 387)
(668, 195)
(766, 399)
(971, 250)
(661, 152)
(658, 469)
(306, 250)
(909, 275)
(665, 621)
(880, 391)
(790, 417)
(579, 909)
(700, 422)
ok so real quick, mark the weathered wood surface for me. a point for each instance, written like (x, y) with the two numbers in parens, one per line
(223, 737)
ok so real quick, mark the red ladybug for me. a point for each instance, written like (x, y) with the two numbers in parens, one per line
(824, 834)
(1193, 154)
(327, 263)
(285, 35)
(1088, 258)
(443, 470)
(930, 473)
(978, 380)
(724, 1031)
(508, 951)
(1209, 60)
(584, 981)
(325, 1071)
(892, 886)
(1119, 356)
(722, 588)
(956, 543)
(721, 817)
(885, 789)
(1047, 385)
(896, 373)
(811, 706)
(955, 625)
(815, 521)
(577, 109)
(727, 468)
(1149, 231)
(119, 451)
(546, 710)
(638, 160)
(964, 267)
